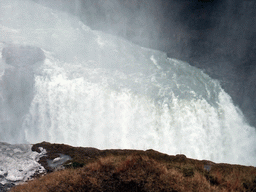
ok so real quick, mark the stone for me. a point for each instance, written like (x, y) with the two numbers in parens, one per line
(6, 187)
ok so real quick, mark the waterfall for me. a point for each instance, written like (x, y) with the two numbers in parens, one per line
(101, 91)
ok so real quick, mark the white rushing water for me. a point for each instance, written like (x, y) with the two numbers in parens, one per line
(101, 91)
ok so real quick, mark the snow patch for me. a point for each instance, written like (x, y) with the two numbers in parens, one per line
(18, 162)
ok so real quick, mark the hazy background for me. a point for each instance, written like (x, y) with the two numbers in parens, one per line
(217, 36)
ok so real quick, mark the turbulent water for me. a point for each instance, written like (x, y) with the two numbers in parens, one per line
(98, 90)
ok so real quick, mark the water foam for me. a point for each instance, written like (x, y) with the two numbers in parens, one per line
(98, 90)
(83, 111)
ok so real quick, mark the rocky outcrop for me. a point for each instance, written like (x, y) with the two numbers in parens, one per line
(6, 187)
(17, 87)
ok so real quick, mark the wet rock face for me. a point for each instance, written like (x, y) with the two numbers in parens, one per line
(6, 187)
(17, 88)
(22, 55)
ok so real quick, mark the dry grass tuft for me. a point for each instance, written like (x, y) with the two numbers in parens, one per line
(131, 170)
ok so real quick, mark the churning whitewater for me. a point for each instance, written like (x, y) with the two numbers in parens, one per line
(101, 91)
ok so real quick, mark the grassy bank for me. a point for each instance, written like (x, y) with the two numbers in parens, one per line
(132, 170)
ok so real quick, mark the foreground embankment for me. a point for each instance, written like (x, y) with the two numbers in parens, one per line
(90, 169)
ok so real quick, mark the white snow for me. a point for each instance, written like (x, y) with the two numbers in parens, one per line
(18, 163)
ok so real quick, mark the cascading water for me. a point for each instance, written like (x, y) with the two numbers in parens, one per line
(97, 90)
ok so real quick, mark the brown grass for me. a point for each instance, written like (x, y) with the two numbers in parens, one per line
(131, 170)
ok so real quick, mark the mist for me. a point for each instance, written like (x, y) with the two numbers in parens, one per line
(216, 36)
(95, 82)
